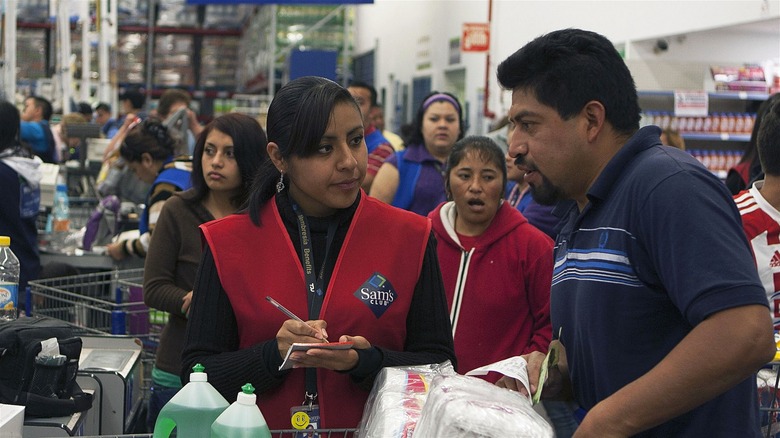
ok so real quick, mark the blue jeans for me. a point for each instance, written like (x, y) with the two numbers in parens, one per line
(158, 396)
(561, 416)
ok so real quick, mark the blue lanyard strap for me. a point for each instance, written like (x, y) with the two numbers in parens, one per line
(315, 293)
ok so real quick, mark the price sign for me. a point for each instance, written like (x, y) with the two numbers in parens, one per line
(691, 103)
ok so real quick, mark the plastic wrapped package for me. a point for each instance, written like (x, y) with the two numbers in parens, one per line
(463, 406)
(396, 400)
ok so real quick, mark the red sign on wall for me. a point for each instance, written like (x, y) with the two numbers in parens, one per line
(476, 37)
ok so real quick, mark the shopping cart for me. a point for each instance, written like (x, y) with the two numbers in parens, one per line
(285, 433)
(768, 380)
(102, 303)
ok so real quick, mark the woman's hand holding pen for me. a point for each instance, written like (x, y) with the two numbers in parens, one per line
(305, 332)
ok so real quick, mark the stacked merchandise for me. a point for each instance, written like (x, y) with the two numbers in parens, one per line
(133, 12)
(173, 61)
(745, 78)
(33, 11)
(177, 13)
(30, 54)
(131, 53)
(218, 62)
(225, 16)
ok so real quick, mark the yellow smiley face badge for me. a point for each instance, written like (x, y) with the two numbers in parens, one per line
(300, 420)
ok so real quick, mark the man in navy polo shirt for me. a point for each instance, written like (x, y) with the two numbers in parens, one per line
(662, 318)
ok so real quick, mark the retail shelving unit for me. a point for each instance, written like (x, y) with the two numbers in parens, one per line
(719, 139)
(192, 47)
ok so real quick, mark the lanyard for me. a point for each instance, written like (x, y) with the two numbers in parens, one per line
(314, 284)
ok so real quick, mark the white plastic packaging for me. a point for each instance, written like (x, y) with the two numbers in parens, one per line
(396, 400)
(463, 406)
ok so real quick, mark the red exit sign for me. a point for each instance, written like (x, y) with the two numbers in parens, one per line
(476, 37)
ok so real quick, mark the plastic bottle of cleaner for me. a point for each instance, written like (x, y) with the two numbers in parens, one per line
(9, 280)
(192, 410)
(242, 419)
(60, 218)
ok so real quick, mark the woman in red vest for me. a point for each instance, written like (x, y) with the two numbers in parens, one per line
(355, 269)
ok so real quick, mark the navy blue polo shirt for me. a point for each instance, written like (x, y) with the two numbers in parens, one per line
(659, 247)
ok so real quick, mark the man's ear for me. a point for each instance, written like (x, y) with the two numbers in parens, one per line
(595, 116)
(276, 156)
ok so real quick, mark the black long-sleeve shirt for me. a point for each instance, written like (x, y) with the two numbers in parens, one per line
(212, 332)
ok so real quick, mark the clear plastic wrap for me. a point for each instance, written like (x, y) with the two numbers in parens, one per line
(462, 406)
(396, 400)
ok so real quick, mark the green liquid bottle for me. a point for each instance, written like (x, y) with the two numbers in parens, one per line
(192, 410)
(242, 419)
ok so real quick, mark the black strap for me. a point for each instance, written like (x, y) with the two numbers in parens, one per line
(40, 406)
(315, 287)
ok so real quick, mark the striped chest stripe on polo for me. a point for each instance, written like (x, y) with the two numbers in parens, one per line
(599, 263)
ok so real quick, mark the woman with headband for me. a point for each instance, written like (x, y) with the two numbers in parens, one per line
(413, 179)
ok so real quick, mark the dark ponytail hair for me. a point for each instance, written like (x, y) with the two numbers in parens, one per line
(149, 137)
(297, 119)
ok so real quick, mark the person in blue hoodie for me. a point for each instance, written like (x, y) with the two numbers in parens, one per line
(35, 130)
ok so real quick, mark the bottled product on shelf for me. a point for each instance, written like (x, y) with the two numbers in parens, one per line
(717, 161)
(60, 218)
(192, 410)
(9, 280)
(242, 419)
(714, 123)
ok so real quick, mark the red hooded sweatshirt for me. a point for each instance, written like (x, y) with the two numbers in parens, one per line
(499, 291)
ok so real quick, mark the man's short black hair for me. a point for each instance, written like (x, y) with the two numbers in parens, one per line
(136, 98)
(367, 86)
(84, 108)
(568, 68)
(768, 138)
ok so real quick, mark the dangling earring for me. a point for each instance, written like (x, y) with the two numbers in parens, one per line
(280, 183)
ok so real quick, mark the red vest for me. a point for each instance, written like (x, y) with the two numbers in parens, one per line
(253, 262)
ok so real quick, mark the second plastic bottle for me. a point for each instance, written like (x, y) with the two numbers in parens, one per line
(242, 419)
(192, 410)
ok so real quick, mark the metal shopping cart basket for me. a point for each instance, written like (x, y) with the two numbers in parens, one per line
(286, 433)
(102, 303)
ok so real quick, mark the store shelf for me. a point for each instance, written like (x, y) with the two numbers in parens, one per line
(181, 30)
(721, 95)
(723, 136)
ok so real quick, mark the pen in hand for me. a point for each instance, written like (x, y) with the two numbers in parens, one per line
(288, 313)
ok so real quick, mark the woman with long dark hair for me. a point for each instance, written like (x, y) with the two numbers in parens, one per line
(227, 154)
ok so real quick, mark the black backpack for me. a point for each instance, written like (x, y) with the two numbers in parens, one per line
(45, 389)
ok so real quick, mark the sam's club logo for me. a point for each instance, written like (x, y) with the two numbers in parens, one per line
(377, 293)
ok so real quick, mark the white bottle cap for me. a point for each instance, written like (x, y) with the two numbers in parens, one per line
(198, 375)
(247, 395)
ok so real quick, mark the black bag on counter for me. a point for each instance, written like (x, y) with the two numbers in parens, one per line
(46, 386)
